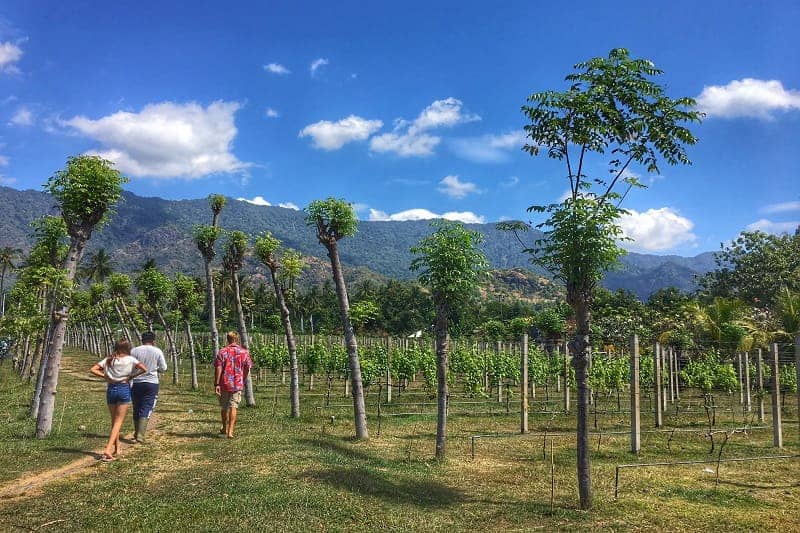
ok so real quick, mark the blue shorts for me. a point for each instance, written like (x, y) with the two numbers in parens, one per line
(144, 399)
(118, 393)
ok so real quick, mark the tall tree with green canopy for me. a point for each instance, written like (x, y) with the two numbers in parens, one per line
(205, 237)
(612, 109)
(8, 256)
(85, 191)
(157, 290)
(334, 219)
(235, 251)
(119, 289)
(284, 273)
(449, 264)
(187, 301)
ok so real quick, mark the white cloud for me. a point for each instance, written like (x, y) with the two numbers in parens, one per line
(656, 229)
(783, 207)
(7, 181)
(167, 140)
(3, 161)
(272, 113)
(289, 205)
(23, 117)
(405, 145)
(258, 200)
(441, 113)
(747, 98)
(409, 138)
(488, 148)
(317, 64)
(454, 188)
(768, 226)
(511, 181)
(10, 54)
(277, 68)
(467, 217)
(328, 135)
(359, 207)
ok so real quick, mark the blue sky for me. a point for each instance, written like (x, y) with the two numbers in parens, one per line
(407, 109)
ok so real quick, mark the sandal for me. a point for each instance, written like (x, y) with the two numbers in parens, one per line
(106, 458)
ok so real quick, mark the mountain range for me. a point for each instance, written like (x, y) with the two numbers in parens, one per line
(161, 229)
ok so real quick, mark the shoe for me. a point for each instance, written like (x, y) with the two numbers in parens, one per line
(141, 430)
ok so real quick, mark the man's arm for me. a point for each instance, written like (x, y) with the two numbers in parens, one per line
(217, 375)
(162, 363)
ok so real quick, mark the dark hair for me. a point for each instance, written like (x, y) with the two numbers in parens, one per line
(122, 346)
(148, 336)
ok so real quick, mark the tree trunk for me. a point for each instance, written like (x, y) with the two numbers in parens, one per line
(130, 319)
(192, 356)
(359, 410)
(212, 312)
(250, 398)
(51, 359)
(580, 359)
(170, 341)
(294, 386)
(442, 351)
(122, 324)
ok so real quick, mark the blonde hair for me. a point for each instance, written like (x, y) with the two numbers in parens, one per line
(121, 347)
(232, 337)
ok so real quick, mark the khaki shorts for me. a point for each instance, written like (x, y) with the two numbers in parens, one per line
(230, 400)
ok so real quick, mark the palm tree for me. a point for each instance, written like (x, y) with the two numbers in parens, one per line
(8, 256)
(98, 267)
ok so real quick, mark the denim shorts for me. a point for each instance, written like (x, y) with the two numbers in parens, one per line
(118, 393)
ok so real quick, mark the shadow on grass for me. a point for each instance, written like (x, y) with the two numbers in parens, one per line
(759, 486)
(74, 451)
(367, 483)
(195, 434)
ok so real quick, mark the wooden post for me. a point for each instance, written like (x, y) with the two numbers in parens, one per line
(741, 377)
(636, 421)
(678, 375)
(663, 385)
(657, 384)
(388, 370)
(777, 430)
(760, 384)
(671, 358)
(523, 386)
(748, 406)
(566, 379)
(499, 380)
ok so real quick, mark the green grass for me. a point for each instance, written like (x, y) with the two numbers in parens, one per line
(309, 474)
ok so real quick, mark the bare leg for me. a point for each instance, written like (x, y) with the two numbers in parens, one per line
(231, 420)
(224, 413)
(117, 418)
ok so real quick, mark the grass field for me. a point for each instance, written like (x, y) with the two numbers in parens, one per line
(308, 474)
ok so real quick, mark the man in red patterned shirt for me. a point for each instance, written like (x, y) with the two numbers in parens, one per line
(232, 365)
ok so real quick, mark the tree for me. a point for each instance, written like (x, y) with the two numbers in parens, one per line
(85, 192)
(235, 250)
(335, 219)
(187, 300)
(755, 267)
(157, 290)
(7, 257)
(283, 277)
(119, 288)
(449, 264)
(205, 237)
(98, 268)
(612, 107)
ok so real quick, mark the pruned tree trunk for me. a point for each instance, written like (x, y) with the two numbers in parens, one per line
(212, 308)
(442, 352)
(249, 394)
(192, 356)
(579, 347)
(122, 324)
(294, 382)
(359, 409)
(51, 359)
(130, 319)
(170, 341)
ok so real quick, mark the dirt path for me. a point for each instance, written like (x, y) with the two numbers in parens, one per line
(31, 484)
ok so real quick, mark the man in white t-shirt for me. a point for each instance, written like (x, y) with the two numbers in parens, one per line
(145, 386)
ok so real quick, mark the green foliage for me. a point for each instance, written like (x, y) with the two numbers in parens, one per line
(334, 218)
(235, 251)
(755, 268)
(216, 202)
(86, 191)
(363, 312)
(187, 295)
(154, 286)
(551, 322)
(449, 262)
(788, 378)
(468, 365)
(265, 248)
(707, 373)
(119, 285)
(609, 373)
(50, 247)
(494, 330)
(205, 237)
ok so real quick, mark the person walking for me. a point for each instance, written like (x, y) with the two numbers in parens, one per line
(231, 367)
(145, 386)
(117, 369)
